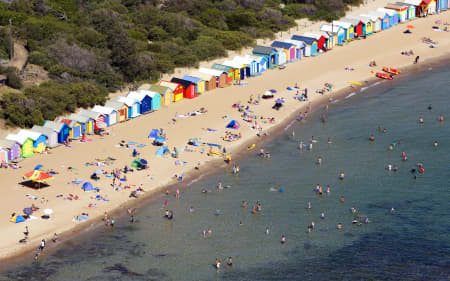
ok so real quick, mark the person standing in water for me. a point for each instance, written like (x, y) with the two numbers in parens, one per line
(283, 239)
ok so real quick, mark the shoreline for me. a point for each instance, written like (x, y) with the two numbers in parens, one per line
(274, 133)
(19, 252)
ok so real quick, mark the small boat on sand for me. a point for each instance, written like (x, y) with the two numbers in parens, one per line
(391, 70)
(384, 76)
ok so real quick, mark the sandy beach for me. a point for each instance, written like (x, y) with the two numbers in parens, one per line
(311, 73)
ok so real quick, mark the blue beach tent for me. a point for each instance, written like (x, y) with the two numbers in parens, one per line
(153, 134)
(162, 151)
(87, 186)
(17, 219)
(233, 125)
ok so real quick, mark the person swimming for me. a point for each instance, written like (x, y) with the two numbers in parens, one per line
(283, 239)
(421, 120)
(339, 226)
(329, 141)
(435, 144)
(430, 107)
(319, 160)
(372, 137)
(341, 176)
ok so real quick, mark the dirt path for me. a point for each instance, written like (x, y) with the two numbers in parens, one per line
(20, 56)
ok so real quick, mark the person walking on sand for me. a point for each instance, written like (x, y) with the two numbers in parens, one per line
(178, 193)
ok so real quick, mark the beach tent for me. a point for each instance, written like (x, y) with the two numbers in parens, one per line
(402, 11)
(233, 125)
(39, 139)
(411, 10)
(153, 134)
(75, 130)
(269, 53)
(87, 123)
(62, 129)
(198, 82)
(121, 108)
(12, 147)
(221, 76)
(109, 113)
(210, 80)
(139, 163)
(310, 43)
(26, 144)
(159, 140)
(52, 136)
(87, 186)
(288, 48)
(393, 14)
(162, 151)
(156, 100)
(166, 94)
(132, 104)
(99, 118)
(188, 87)
(231, 73)
(143, 99)
(16, 219)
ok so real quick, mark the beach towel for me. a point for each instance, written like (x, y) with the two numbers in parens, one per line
(141, 145)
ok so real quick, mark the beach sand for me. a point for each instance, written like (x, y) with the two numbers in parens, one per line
(311, 73)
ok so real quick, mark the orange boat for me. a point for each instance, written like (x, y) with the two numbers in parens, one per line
(391, 70)
(384, 76)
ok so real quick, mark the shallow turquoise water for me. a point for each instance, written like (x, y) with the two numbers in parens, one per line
(410, 244)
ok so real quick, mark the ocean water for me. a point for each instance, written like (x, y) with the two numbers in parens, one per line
(412, 243)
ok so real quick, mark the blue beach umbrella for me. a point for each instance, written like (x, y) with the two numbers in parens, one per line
(273, 91)
(143, 162)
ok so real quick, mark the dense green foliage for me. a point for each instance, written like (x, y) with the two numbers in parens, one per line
(49, 100)
(4, 44)
(112, 42)
(12, 77)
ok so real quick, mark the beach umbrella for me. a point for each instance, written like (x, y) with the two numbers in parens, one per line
(28, 211)
(143, 162)
(48, 211)
(98, 172)
(410, 26)
(273, 91)
(38, 167)
(279, 101)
